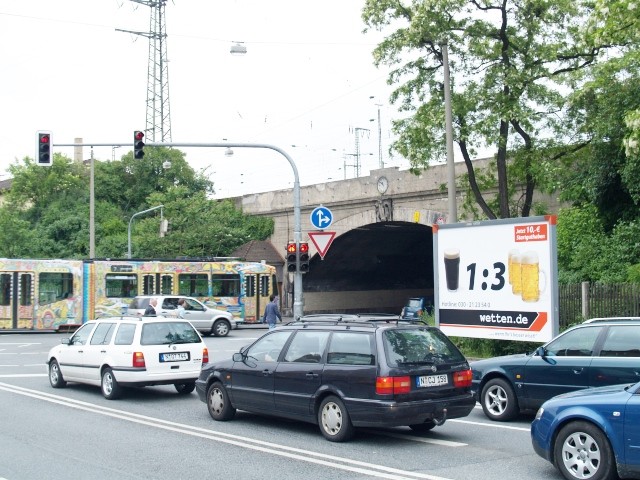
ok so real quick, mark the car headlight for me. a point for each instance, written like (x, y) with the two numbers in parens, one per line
(539, 413)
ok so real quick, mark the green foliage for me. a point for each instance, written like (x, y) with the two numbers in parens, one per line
(46, 212)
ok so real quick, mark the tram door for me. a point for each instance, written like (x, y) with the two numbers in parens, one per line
(257, 290)
(16, 300)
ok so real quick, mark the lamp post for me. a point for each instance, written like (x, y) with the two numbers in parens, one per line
(131, 220)
(451, 169)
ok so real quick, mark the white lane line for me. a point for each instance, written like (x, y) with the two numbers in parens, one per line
(434, 441)
(494, 425)
(22, 375)
(347, 464)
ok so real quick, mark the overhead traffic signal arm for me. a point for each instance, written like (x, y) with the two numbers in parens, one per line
(138, 144)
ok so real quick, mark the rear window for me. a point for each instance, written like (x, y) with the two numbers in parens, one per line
(419, 345)
(165, 333)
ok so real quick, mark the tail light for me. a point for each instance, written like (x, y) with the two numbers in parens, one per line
(462, 378)
(138, 360)
(393, 385)
(205, 355)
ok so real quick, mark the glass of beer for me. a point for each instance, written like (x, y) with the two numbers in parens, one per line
(512, 253)
(515, 273)
(452, 268)
(530, 277)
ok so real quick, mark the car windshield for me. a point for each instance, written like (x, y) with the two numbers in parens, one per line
(419, 346)
(166, 333)
(414, 303)
(139, 303)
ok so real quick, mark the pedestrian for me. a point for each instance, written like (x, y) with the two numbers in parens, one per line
(151, 309)
(271, 313)
(181, 308)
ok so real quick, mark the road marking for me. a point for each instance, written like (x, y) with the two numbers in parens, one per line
(494, 425)
(434, 441)
(21, 375)
(340, 463)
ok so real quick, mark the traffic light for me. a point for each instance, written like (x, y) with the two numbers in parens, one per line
(304, 257)
(291, 257)
(138, 144)
(43, 154)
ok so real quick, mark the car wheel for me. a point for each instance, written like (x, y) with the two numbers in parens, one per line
(185, 388)
(423, 427)
(110, 387)
(334, 420)
(218, 403)
(499, 401)
(221, 328)
(582, 451)
(55, 375)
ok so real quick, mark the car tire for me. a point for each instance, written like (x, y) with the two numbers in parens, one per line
(423, 427)
(110, 387)
(581, 450)
(221, 328)
(499, 401)
(55, 375)
(334, 420)
(218, 403)
(185, 388)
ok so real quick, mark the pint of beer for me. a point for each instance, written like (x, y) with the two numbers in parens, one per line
(515, 273)
(530, 277)
(452, 268)
(512, 253)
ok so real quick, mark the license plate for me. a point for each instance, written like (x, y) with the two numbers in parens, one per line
(174, 357)
(432, 380)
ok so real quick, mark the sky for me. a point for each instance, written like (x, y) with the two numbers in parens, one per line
(304, 85)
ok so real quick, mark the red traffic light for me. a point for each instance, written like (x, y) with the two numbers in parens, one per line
(138, 135)
(291, 247)
(304, 247)
(44, 139)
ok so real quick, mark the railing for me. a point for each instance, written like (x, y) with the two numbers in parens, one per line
(578, 302)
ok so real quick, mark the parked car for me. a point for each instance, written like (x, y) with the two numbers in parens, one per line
(344, 371)
(415, 307)
(116, 352)
(598, 352)
(208, 321)
(591, 434)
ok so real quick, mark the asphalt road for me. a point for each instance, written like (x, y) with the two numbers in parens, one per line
(154, 433)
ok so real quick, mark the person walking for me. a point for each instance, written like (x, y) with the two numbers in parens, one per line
(271, 313)
(151, 309)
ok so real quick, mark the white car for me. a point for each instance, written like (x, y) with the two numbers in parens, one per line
(116, 352)
(208, 321)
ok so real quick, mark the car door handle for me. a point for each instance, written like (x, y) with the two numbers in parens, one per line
(266, 372)
(578, 371)
(311, 375)
(103, 351)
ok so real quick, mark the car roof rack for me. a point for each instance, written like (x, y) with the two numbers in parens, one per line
(612, 319)
(367, 319)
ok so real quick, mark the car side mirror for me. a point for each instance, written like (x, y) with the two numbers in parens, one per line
(541, 352)
(65, 341)
(238, 357)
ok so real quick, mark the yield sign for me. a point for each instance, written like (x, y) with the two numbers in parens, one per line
(322, 241)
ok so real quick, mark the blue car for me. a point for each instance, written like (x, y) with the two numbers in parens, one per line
(591, 434)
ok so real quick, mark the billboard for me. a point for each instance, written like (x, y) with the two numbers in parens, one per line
(497, 279)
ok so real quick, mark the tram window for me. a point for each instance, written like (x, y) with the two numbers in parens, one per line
(225, 285)
(193, 284)
(147, 285)
(250, 286)
(121, 286)
(264, 286)
(26, 293)
(5, 289)
(166, 283)
(54, 286)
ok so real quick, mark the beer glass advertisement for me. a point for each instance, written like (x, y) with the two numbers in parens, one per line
(497, 279)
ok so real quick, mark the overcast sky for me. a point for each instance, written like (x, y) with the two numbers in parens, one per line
(304, 85)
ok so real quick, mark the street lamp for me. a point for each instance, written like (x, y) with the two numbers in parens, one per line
(131, 220)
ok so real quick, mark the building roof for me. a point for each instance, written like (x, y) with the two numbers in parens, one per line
(258, 250)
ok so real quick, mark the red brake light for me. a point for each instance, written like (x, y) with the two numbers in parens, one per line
(205, 355)
(138, 360)
(393, 385)
(462, 379)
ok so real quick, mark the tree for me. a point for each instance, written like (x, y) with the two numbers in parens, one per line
(511, 62)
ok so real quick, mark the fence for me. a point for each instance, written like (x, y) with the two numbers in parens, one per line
(578, 302)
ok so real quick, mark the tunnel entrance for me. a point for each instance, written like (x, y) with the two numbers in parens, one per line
(372, 268)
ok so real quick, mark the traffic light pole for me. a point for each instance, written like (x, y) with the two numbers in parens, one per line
(298, 302)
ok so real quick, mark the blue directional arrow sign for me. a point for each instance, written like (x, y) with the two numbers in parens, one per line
(321, 217)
